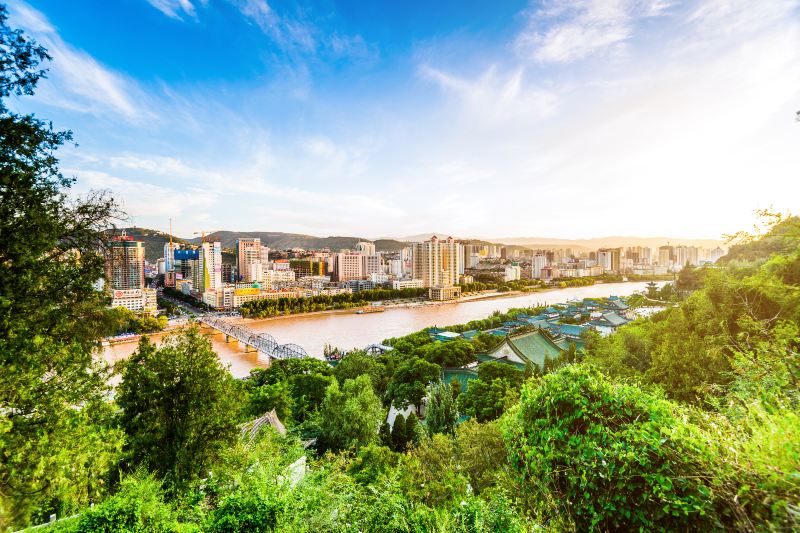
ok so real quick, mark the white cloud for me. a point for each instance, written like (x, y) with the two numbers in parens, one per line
(494, 96)
(76, 81)
(174, 8)
(288, 33)
(567, 30)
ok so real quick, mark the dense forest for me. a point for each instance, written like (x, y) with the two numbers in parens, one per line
(686, 420)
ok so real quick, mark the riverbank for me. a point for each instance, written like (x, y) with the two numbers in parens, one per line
(488, 295)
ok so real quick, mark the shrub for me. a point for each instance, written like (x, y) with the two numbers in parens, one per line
(613, 456)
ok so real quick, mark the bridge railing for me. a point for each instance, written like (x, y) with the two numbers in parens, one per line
(263, 342)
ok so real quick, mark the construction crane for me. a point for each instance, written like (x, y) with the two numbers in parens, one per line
(202, 235)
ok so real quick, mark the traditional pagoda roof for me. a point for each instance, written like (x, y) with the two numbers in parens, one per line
(462, 375)
(470, 334)
(534, 347)
(571, 330)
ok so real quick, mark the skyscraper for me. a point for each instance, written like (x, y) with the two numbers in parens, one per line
(436, 262)
(248, 259)
(125, 264)
(208, 274)
(125, 276)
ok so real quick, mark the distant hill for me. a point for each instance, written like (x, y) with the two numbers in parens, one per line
(283, 241)
(607, 242)
(153, 240)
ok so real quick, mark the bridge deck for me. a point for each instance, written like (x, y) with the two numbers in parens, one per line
(263, 342)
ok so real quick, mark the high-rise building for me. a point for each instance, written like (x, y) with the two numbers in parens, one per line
(537, 264)
(666, 256)
(347, 266)
(366, 248)
(125, 264)
(169, 255)
(436, 262)
(207, 276)
(610, 259)
(248, 259)
(371, 264)
(512, 272)
(124, 272)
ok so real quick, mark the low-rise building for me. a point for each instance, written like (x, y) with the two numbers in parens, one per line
(444, 293)
(407, 284)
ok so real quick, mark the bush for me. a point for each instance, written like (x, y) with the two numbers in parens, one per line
(138, 506)
(613, 456)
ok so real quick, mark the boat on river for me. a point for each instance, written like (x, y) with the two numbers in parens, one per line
(370, 309)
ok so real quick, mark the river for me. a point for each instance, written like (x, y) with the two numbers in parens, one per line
(348, 330)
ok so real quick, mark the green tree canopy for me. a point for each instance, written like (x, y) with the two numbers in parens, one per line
(350, 416)
(178, 405)
(441, 412)
(409, 382)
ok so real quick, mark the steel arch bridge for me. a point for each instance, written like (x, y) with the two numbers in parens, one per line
(261, 342)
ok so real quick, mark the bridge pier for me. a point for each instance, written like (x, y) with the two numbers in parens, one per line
(246, 348)
(227, 338)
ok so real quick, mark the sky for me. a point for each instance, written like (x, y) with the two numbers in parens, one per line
(569, 119)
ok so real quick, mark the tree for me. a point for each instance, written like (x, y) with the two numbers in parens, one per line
(409, 382)
(481, 453)
(441, 413)
(414, 431)
(178, 406)
(308, 392)
(265, 398)
(351, 416)
(487, 400)
(50, 314)
(492, 370)
(399, 437)
(356, 364)
(455, 353)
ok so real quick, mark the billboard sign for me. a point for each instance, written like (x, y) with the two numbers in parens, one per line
(130, 293)
(248, 291)
(185, 255)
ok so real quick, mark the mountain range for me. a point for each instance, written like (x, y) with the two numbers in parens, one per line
(154, 241)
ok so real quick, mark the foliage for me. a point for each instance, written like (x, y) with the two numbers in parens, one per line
(453, 354)
(286, 306)
(491, 370)
(481, 454)
(177, 401)
(441, 413)
(265, 398)
(409, 382)
(350, 416)
(358, 363)
(137, 506)
(431, 472)
(641, 464)
(488, 400)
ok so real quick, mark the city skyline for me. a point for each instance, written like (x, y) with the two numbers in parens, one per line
(559, 119)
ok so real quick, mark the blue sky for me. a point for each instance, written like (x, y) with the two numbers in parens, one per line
(562, 119)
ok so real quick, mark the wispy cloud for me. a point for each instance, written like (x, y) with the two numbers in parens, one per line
(76, 80)
(174, 8)
(561, 31)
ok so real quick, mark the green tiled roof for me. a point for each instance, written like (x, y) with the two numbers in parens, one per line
(462, 375)
(534, 347)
